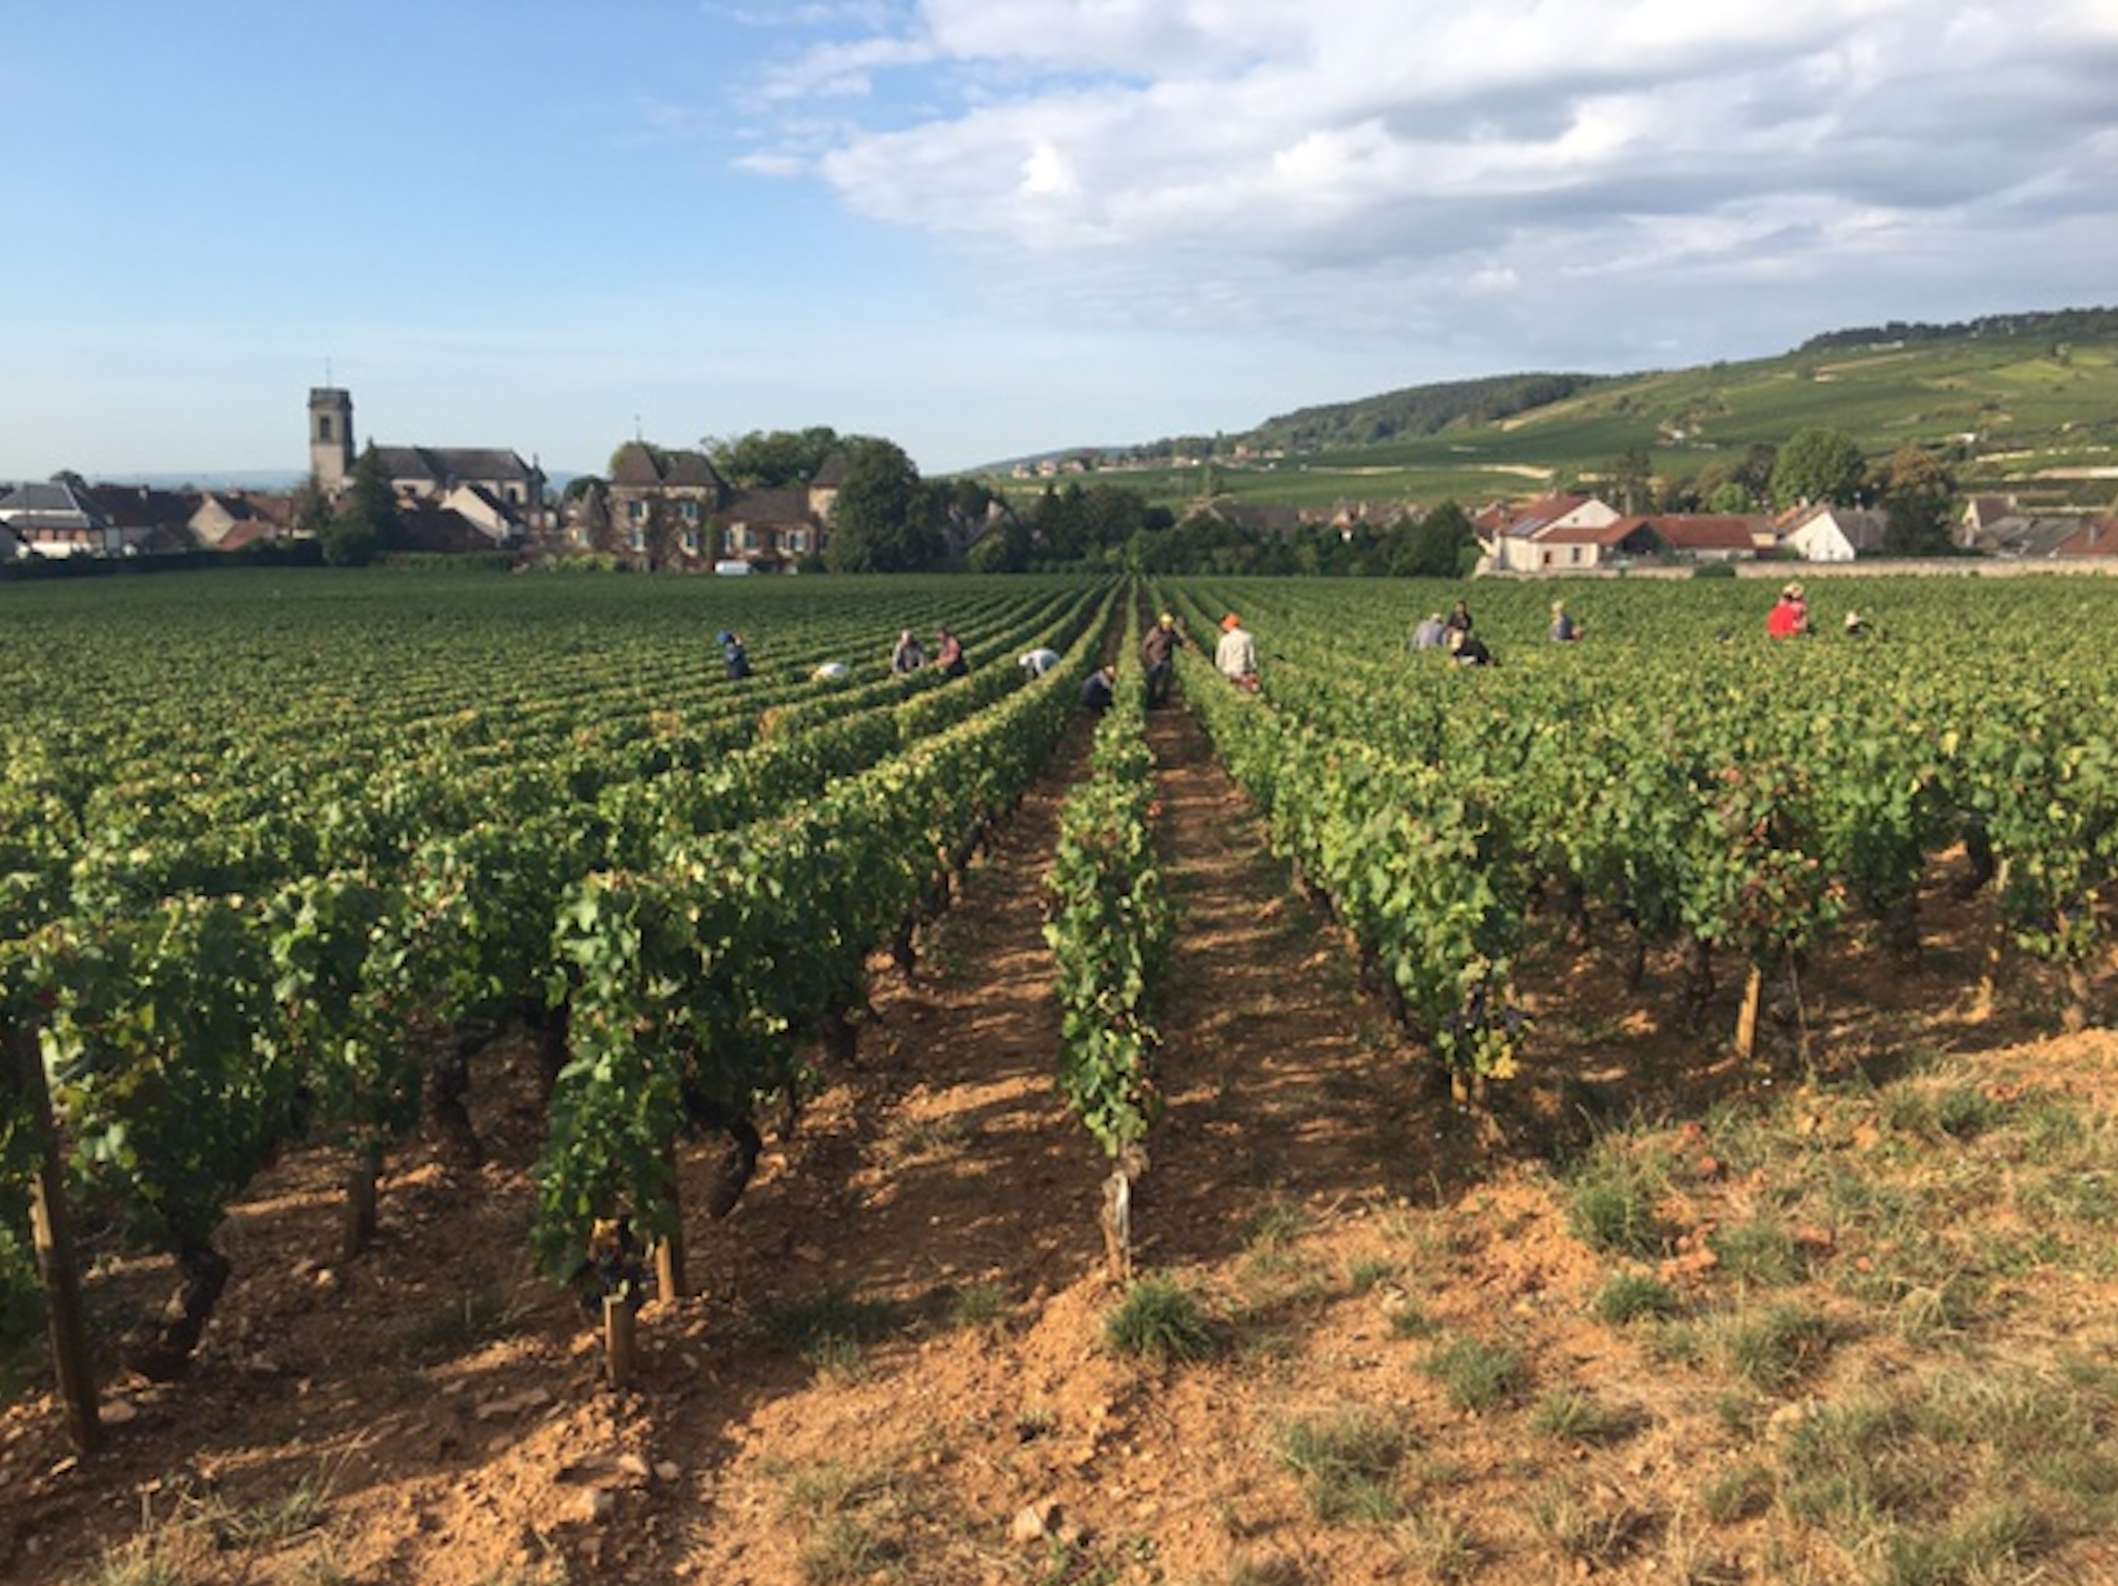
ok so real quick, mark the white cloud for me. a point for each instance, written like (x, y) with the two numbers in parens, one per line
(1361, 165)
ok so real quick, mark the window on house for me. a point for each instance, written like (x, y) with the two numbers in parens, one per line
(323, 427)
(636, 510)
(691, 512)
(1575, 554)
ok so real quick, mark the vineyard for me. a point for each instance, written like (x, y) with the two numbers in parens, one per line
(498, 893)
(271, 882)
(1741, 802)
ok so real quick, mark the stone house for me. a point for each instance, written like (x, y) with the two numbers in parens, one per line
(675, 509)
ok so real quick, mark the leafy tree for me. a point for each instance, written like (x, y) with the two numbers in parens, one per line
(1818, 465)
(773, 459)
(366, 523)
(963, 507)
(883, 521)
(1755, 472)
(1433, 545)
(1631, 481)
(1006, 548)
(1917, 493)
(1092, 523)
(312, 509)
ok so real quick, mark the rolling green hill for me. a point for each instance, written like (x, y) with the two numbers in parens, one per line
(2026, 404)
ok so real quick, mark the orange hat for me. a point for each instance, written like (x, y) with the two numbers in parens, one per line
(1231, 621)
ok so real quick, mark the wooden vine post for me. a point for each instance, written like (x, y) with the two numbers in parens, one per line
(358, 1230)
(1118, 1224)
(52, 1233)
(620, 1338)
(669, 1253)
(1747, 1020)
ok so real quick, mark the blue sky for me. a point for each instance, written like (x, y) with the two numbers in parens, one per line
(983, 228)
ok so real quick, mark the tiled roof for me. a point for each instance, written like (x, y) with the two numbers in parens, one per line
(2095, 537)
(693, 469)
(48, 500)
(137, 507)
(1699, 531)
(768, 506)
(1615, 532)
(449, 464)
(639, 466)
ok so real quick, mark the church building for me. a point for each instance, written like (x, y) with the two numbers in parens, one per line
(481, 482)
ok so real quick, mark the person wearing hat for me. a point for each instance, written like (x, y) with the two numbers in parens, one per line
(1431, 634)
(1158, 655)
(909, 656)
(1236, 656)
(1790, 614)
(1564, 629)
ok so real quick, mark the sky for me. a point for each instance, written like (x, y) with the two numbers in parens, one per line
(988, 228)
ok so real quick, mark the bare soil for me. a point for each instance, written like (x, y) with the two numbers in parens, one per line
(891, 1365)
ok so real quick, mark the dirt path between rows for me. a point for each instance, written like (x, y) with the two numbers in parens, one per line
(971, 1202)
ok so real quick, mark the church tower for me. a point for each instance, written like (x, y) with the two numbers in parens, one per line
(331, 435)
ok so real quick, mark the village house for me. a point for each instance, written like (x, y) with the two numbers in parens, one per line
(1982, 517)
(1509, 535)
(673, 508)
(1826, 533)
(1716, 537)
(150, 522)
(1585, 547)
(1997, 526)
(2095, 536)
(57, 519)
(232, 520)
